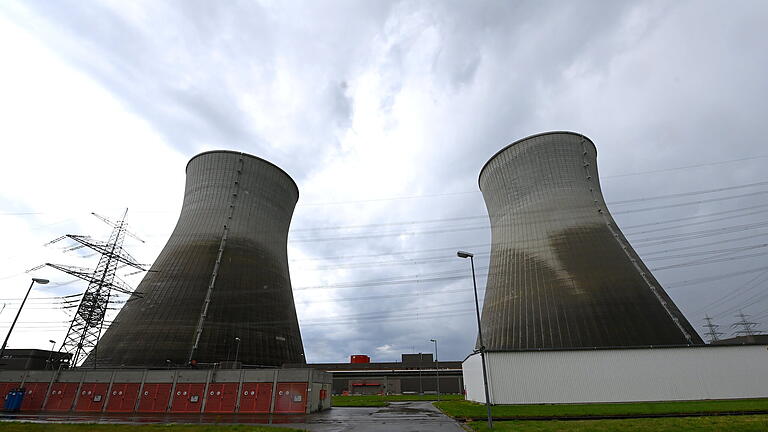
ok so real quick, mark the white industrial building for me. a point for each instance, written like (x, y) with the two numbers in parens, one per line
(620, 375)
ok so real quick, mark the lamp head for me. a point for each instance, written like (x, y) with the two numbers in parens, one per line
(40, 281)
(237, 339)
(463, 254)
(51, 341)
(433, 340)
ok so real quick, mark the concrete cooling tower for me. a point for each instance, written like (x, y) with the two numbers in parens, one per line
(562, 275)
(222, 276)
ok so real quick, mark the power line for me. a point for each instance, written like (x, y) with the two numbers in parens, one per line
(687, 167)
(630, 233)
(732, 197)
(699, 234)
(363, 236)
(714, 278)
(709, 261)
(749, 285)
(690, 193)
(749, 301)
(627, 227)
(707, 252)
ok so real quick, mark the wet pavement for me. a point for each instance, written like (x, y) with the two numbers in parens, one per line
(398, 416)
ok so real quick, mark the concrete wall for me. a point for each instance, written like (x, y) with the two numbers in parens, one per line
(620, 375)
(235, 217)
(561, 273)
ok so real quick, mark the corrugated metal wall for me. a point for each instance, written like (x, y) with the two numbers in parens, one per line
(620, 375)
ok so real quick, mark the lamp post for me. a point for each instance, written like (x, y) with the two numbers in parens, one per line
(421, 389)
(41, 282)
(237, 348)
(471, 256)
(50, 353)
(437, 369)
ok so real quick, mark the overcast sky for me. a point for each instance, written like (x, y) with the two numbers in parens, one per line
(384, 113)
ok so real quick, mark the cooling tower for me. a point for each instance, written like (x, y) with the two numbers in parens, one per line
(562, 275)
(222, 275)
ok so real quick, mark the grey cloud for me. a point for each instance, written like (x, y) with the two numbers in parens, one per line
(654, 85)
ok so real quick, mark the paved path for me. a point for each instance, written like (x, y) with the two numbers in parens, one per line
(398, 416)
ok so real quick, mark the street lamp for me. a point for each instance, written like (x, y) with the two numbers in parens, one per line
(237, 348)
(471, 256)
(421, 389)
(437, 369)
(41, 282)
(50, 353)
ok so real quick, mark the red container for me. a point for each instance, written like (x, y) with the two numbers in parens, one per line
(122, 398)
(92, 397)
(360, 358)
(222, 398)
(291, 398)
(154, 397)
(61, 396)
(34, 396)
(256, 397)
(188, 398)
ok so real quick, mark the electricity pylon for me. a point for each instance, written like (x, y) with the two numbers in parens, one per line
(744, 327)
(712, 332)
(87, 324)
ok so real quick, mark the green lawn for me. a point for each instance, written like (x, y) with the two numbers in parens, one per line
(376, 401)
(746, 423)
(84, 427)
(472, 410)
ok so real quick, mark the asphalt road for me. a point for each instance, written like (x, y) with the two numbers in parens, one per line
(397, 417)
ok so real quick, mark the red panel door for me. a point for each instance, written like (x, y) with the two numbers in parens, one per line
(92, 396)
(291, 398)
(256, 397)
(61, 396)
(154, 397)
(122, 398)
(187, 398)
(34, 396)
(222, 398)
(299, 397)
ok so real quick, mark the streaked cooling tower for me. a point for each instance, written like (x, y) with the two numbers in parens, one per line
(222, 275)
(561, 273)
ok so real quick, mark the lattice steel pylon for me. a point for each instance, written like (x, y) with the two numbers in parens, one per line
(744, 327)
(87, 324)
(712, 332)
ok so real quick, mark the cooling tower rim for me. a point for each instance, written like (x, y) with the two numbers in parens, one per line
(248, 155)
(480, 176)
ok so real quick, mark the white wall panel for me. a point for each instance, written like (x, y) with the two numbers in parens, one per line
(620, 375)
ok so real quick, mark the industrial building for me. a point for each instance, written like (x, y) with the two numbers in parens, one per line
(415, 374)
(176, 391)
(571, 312)
(562, 275)
(220, 289)
(33, 359)
(620, 374)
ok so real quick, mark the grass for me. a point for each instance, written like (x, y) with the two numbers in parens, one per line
(380, 401)
(90, 427)
(746, 423)
(472, 410)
